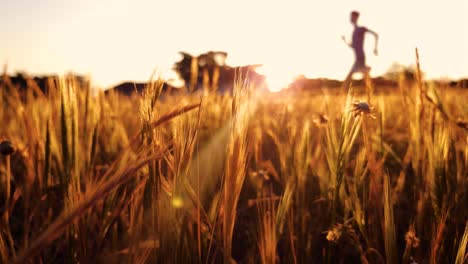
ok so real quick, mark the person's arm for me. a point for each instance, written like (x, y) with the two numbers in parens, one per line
(346, 42)
(376, 36)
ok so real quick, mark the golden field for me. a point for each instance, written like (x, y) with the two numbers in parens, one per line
(322, 177)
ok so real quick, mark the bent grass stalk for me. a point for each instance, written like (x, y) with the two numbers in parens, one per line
(58, 226)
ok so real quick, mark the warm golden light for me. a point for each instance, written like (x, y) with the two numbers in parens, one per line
(277, 78)
(177, 202)
(115, 40)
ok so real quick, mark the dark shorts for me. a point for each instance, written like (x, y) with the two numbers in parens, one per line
(360, 63)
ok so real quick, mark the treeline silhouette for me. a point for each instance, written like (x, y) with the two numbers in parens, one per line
(208, 72)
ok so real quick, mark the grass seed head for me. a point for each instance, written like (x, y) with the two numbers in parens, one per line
(6, 148)
(461, 123)
(362, 108)
(334, 234)
(321, 120)
(411, 239)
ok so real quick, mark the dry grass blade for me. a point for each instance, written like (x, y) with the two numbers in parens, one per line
(58, 226)
(389, 224)
(268, 236)
(462, 256)
(438, 238)
(173, 114)
(166, 118)
(284, 206)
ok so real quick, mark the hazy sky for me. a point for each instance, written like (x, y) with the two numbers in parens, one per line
(115, 40)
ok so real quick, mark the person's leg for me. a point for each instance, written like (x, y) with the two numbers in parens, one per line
(357, 66)
(360, 64)
(368, 83)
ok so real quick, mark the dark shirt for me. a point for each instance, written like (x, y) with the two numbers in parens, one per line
(358, 37)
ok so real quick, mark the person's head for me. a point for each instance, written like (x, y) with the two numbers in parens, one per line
(354, 17)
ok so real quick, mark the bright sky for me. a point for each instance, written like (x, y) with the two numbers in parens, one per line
(116, 40)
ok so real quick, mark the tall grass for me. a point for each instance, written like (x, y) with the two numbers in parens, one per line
(236, 162)
(248, 178)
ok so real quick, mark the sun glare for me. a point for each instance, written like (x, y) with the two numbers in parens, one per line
(277, 78)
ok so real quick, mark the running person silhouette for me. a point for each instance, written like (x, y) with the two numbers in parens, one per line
(357, 44)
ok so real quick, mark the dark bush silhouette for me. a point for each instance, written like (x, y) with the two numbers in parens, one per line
(130, 88)
(40, 85)
(209, 71)
(396, 71)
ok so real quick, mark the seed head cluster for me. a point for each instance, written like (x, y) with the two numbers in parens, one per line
(411, 239)
(6, 148)
(362, 108)
(321, 119)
